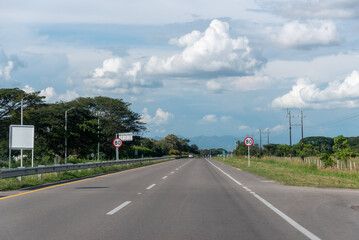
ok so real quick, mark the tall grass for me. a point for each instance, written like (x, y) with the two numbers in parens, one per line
(35, 180)
(296, 173)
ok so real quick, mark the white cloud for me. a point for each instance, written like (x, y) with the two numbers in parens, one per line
(112, 65)
(322, 9)
(117, 76)
(121, 12)
(8, 65)
(28, 89)
(275, 129)
(243, 127)
(160, 117)
(206, 55)
(212, 52)
(312, 34)
(306, 94)
(210, 118)
(5, 71)
(214, 86)
(247, 83)
(226, 118)
(68, 96)
(49, 93)
(319, 69)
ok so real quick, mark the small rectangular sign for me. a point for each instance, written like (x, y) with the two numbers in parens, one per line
(21, 137)
(125, 137)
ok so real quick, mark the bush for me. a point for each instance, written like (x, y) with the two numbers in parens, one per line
(327, 160)
(174, 152)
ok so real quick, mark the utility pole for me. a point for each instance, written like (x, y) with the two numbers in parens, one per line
(260, 140)
(98, 139)
(301, 122)
(22, 123)
(268, 131)
(66, 133)
(290, 127)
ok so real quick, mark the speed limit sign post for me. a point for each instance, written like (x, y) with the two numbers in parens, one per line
(117, 143)
(248, 141)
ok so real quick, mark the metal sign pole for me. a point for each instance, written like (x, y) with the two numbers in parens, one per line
(249, 157)
(9, 157)
(32, 158)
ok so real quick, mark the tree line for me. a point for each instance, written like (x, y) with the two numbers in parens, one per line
(328, 149)
(89, 121)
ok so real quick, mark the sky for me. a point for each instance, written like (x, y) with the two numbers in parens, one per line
(195, 67)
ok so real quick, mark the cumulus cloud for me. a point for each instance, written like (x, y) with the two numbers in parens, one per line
(305, 94)
(49, 93)
(8, 64)
(117, 76)
(51, 96)
(307, 35)
(160, 117)
(210, 118)
(205, 55)
(212, 52)
(28, 89)
(321, 9)
(214, 86)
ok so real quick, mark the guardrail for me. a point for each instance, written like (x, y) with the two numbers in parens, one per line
(17, 172)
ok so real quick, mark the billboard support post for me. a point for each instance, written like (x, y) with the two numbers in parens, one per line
(21, 137)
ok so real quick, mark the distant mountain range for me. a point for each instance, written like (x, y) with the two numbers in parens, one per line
(207, 142)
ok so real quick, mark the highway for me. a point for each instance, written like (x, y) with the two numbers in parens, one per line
(179, 199)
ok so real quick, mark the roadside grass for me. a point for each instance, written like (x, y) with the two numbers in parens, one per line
(34, 180)
(295, 173)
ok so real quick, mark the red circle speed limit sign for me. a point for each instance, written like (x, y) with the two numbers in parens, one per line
(117, 142)
(248, 141)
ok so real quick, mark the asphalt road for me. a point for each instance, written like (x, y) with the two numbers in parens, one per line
(181, 199)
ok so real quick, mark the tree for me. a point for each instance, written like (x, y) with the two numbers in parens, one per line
(324, 144)
(342, 149)
(10, 112)
(305, 150)
(240, 149)
(10, 101)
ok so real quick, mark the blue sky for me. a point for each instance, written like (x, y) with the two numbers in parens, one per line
(193, 67)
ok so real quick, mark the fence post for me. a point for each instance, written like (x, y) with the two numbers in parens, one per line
(39, 176)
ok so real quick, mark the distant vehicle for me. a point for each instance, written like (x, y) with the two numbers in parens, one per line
(190, 156)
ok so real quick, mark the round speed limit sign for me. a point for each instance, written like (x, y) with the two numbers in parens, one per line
(117, 142)
(248, 141)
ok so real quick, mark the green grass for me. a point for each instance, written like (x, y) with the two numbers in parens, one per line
(33, 180)
(295, 173)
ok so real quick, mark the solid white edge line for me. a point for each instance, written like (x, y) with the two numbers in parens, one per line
(118, 208)
(149, 187)
(274, 209)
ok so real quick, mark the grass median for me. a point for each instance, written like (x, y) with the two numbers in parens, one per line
(34, 180)
(295, 173)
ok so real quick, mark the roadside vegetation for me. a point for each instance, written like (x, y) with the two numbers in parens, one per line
(46, 178)
(89, 121)
(295, 172)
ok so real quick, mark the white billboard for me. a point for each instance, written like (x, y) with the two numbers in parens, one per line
(22, 137)
(125, 136)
